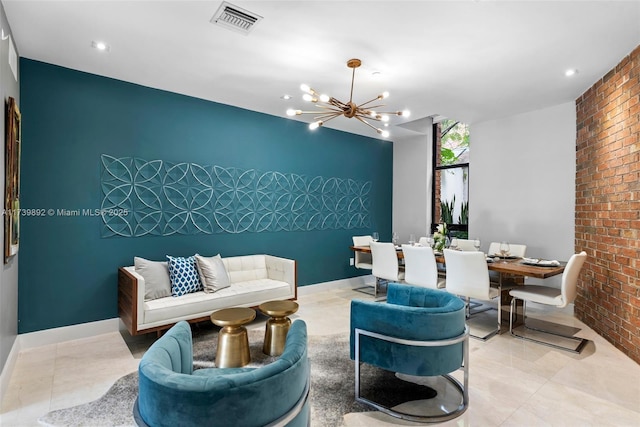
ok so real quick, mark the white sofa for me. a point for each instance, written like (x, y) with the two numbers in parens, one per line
(254, 279)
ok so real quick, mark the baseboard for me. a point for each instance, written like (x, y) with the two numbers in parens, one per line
(350, 283)
(87, 330)
(67, 333)
(7, 369)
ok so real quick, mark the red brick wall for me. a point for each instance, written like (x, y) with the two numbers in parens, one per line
(608, 205)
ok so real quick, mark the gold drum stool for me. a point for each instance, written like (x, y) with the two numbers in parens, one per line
(233, 341)
(277, 327)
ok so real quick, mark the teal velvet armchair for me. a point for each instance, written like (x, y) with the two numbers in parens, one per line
(418, 332)
(171, 393)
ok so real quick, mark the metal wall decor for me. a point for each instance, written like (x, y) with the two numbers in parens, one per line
(159, 198)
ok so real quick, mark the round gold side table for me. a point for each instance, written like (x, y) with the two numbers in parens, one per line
(233, 341)
(275, 334)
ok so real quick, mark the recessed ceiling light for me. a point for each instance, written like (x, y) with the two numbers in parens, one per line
(571, 72)
(285, 97)
(100, 46)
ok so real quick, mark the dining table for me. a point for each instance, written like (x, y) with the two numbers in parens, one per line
(505, 265)
(511, 271)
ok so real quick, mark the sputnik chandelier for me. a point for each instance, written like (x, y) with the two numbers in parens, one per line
(330, 108)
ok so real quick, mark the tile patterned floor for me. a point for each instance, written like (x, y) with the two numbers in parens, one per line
(512, 382)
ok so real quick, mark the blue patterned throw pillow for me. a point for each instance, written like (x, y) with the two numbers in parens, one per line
(183, 275)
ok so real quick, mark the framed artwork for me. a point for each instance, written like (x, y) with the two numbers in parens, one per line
(12, 180)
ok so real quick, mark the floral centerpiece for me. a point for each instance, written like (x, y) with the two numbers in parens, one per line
(440, 237)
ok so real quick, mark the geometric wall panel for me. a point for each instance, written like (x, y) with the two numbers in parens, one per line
(161, 198)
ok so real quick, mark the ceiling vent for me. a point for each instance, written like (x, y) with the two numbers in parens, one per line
(235, 18)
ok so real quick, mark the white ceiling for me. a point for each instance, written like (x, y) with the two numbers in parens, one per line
(470, 60)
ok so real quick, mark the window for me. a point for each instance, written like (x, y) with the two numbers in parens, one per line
(451, 176)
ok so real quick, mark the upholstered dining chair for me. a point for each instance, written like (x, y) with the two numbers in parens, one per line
(553, 297)
(385, 263)
(465, 245)
(515, 249)
(417, 332)
(420, 268)
(468, 276)
(362, 259)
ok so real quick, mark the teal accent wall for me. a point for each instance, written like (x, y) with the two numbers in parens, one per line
(68, 272)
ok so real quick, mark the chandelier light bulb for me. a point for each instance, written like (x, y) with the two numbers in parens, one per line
(405, 113)
(384, 133)
(385, 94)
(324, 98)
(373, 114)
(315, 125)
(384, 118)
(292, 112)
(305, 88)
(308, 98)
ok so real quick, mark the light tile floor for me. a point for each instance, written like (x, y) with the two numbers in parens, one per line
(512, 382)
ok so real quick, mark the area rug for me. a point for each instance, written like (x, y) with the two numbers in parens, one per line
(331, 395)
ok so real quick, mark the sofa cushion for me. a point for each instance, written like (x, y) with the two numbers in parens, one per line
(200, 304)
(183, 275)
(246, 268)
(213, 274)
(156, 277)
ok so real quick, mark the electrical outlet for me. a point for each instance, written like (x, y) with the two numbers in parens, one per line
(351, 261)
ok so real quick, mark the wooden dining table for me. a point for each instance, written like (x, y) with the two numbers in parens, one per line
(511, 272)
(513, 266)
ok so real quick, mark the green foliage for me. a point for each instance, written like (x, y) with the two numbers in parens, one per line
(455, 136)
(446, 211)
(463, 218)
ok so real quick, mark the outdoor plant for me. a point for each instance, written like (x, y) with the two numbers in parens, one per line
(463, 218)
(446, 211)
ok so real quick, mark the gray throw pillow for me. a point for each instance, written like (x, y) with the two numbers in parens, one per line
(156, 277)
(213, 274)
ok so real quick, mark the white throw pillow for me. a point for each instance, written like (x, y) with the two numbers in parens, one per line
(213, 274)
(156, 278)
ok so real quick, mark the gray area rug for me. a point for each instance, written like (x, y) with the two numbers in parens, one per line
(331, 395)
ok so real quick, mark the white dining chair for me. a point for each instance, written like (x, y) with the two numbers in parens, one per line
(466, 245)
(386, 267)
(554, 297)
(420, 268)
(515, 249)
(362, 259)
(468, 277)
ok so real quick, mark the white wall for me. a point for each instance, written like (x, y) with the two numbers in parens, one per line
(412, 183)
(522, 181)
(9, 274)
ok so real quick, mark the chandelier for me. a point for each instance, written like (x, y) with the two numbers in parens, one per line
(330, 107)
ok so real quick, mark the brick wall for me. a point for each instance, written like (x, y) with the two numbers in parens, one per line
(608, 205)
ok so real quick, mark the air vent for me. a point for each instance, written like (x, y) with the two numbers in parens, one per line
(235, 18)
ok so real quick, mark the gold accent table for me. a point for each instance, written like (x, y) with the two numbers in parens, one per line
(275, 334)
(233, 341)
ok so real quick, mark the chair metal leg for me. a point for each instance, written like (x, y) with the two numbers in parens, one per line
(463, 389)
(581, 341)
(468, 314)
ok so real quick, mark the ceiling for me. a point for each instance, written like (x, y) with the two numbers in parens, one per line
(469, 60)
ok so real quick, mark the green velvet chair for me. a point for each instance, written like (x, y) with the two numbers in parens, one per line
(172, 394)
(418, 332)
